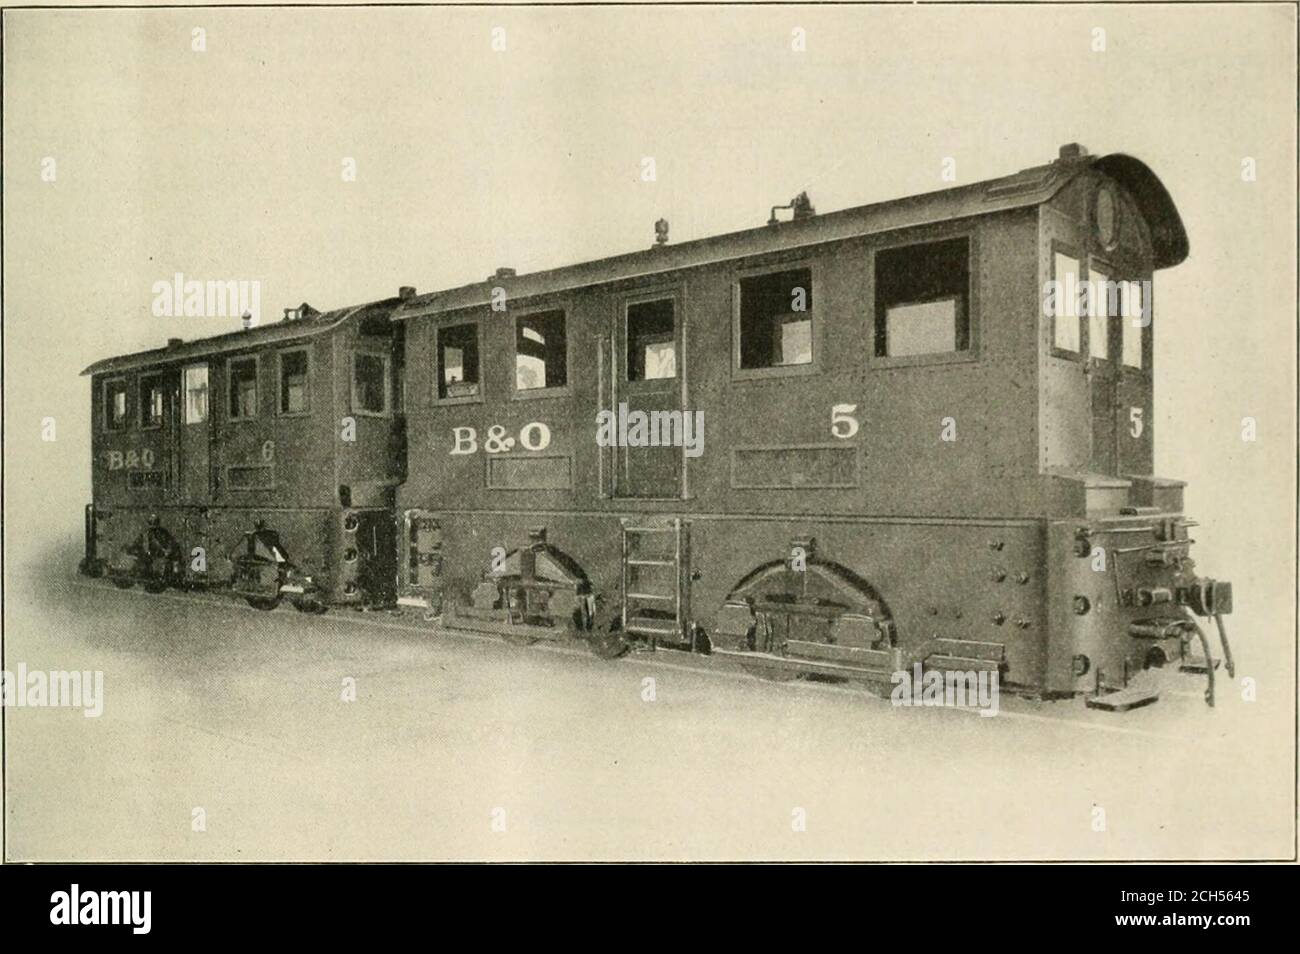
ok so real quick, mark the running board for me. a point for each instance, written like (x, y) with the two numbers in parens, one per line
(882, 670)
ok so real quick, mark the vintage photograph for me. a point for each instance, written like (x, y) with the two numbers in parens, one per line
(626, 433)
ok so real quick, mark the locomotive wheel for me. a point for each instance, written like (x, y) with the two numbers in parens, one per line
(609, 642)
(123, 582)
(266, 603)
(154, 586)
(309, 606)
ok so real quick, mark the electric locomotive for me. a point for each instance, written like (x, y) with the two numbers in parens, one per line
(263, 461)
(840, 445)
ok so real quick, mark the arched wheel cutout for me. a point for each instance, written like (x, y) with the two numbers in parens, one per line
(265, 603)
(536, 592)
(775, 605)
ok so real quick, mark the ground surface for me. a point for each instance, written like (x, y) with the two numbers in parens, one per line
(212, 705)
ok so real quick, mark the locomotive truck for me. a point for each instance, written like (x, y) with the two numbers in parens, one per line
(834, 445)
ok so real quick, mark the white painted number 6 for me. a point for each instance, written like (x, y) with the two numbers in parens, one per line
(843, 424)
(1135, 421)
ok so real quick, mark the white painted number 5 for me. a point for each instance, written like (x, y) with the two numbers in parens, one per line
(1135, 421)
(843, 424)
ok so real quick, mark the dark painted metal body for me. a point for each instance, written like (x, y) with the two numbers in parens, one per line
(849, 515)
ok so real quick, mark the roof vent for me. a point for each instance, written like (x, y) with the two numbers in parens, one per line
(801, 206)
(406, 292)
(173, 343)
(502, 273)
(247, 319)
(1072, 150)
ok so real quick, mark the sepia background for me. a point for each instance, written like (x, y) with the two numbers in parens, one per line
(226, 164)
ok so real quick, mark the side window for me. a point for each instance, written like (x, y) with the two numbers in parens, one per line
(458, 370)
(1065, 303)
(776, 320)
(151, 401)
(243, 388)
(923, 299)
(1102, 303)
(196, 394)
(115, 405)
(651, 340)
(1133, 319)
(541, 351)
(295, 392)
(370, 383)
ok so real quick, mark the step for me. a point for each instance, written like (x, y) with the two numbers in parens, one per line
(1122, 700)
(658, 598)
(651, 630)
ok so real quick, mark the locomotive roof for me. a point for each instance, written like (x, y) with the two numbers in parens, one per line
(277, 332)
(1028, 187)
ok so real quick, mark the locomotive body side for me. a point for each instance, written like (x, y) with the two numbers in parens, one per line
(850, 511)
(783, 459)
(222, 464)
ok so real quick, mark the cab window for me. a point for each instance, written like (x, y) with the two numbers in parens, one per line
(1065, 311)
(776, 320)
(1102, 304)
(115, 413)
(651, 341)
(1134, 318)
(541, 352)
(243, 388)
(151, 401)
(923, 299)
(295, 392)
(370, 383)
(458, 370)
(196, 394)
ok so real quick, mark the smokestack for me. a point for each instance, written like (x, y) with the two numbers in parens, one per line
(406, 292)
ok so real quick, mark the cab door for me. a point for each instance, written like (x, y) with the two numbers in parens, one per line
(649, 377)
(193, 435)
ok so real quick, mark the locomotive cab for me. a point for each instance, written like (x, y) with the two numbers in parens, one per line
(1123, 590)
(229, 453)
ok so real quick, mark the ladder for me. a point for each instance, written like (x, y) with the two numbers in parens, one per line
(655, 595)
